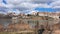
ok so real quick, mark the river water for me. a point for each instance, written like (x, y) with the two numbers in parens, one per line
(5, 22)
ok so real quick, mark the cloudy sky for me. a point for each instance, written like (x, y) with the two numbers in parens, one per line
(29, 6)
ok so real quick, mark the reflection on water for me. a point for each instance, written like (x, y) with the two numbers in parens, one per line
(5, 22)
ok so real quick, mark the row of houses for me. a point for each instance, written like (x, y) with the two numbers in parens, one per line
(50, 14)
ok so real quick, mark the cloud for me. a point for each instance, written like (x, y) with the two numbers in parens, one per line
(26, 6)
(56, 4)
(41, 1)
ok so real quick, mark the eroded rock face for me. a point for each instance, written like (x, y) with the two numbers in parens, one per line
(18, 27)
(56, 29)
(22, 26)
(1, 28)
(56, 32)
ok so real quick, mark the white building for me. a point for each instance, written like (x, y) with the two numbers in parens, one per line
(42, 14)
